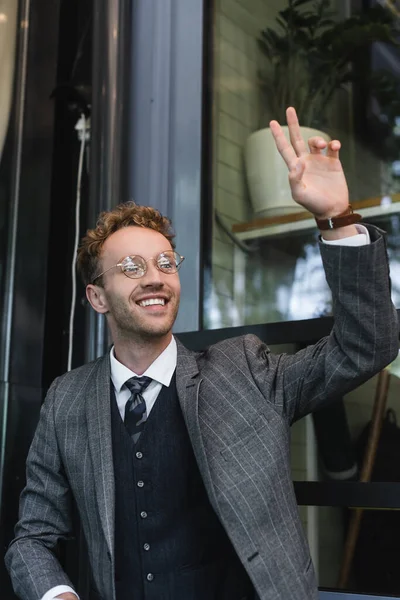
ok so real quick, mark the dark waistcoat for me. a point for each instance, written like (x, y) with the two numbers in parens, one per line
(169, 544)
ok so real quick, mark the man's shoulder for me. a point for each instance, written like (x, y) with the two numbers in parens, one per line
(80, 375)
(230, 349)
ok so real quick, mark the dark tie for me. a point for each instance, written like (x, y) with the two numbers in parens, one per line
(135, 408)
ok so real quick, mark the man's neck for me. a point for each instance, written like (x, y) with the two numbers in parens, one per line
(138, 356)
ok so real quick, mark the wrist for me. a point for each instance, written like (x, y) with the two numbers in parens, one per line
(333, 211)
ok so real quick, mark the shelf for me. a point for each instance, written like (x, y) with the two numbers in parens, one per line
(301, 221)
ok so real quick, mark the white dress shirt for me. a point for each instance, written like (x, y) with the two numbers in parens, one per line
(162, 369)
(362, 239)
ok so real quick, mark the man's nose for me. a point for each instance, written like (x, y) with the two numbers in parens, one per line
(153, 276)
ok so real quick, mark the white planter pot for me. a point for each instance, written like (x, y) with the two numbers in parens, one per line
(267, 173)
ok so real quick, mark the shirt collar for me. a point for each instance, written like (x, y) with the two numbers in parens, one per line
(160, 370)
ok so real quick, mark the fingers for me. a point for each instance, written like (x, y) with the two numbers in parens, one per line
(333, 149)
(296, 138)
(297, 148)
(285, 149)
(316, 144)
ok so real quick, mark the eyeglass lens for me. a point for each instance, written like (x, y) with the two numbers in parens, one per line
(136, 266)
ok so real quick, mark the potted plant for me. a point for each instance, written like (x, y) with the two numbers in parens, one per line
(310, 56)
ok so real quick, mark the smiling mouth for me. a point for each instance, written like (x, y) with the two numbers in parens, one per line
(152, 302)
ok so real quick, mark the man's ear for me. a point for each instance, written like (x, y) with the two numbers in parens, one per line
(96, 296)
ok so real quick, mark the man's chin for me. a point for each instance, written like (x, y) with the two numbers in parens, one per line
(145, 328)
(154, 333)
(157, 325)
(155, 330)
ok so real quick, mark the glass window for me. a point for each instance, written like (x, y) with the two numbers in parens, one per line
(372, 568)
(268, 55)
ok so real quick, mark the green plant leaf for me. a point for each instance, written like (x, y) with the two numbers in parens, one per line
(311, 54)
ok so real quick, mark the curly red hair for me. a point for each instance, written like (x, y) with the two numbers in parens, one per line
(124, 215)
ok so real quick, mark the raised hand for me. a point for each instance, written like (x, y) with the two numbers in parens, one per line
(316, 180)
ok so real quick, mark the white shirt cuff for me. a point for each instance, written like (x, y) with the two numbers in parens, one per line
(56, 591)
(361, 239)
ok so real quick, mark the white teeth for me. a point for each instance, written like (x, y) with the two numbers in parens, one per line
(152, 301)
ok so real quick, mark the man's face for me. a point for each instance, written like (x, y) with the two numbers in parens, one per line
(128, 313)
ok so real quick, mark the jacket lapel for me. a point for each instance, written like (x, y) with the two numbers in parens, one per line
(188, 382)
(98, 417)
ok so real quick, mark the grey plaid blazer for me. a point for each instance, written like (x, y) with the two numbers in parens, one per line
(238, 401)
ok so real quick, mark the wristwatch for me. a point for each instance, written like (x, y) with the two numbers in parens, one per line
(347, 217)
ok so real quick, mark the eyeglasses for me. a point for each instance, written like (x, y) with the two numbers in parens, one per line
(135, 266)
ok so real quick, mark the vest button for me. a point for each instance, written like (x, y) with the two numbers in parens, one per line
(146, 547)
(140, 483)
(139, 455)
(143, 514)
(149, 576)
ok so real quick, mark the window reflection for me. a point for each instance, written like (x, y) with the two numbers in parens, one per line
(283, 278)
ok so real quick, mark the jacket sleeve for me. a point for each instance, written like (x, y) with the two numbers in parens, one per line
(364, 338)
(45, 514)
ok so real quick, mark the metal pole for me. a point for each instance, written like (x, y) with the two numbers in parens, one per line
(109, 126)
(7, 317)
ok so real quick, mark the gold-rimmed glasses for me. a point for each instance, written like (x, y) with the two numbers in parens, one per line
(135, 266)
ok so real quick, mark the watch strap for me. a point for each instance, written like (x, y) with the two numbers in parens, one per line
(347, 217)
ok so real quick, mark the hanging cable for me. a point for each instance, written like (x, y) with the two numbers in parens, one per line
(82, 127)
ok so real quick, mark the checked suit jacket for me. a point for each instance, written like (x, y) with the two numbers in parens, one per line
(238, 401)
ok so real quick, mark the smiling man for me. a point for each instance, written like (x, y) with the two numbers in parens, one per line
(144, 304)
(179, 462)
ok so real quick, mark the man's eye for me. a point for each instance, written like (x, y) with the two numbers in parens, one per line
(132, 268)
